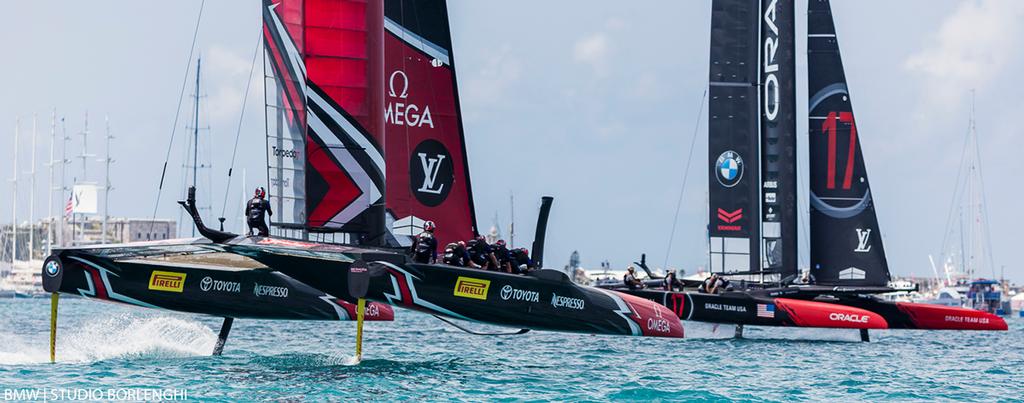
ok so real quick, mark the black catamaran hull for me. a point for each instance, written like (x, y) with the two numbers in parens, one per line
(218, 291)
(544, 300)
(285, 289)
(798, 307)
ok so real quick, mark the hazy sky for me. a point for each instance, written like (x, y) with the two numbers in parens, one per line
(592, 102)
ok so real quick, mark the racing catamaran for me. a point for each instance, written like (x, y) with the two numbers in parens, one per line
(364, 145)
(752, 187)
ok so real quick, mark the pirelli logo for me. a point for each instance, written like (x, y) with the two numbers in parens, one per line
(166, 281)
(468, 287)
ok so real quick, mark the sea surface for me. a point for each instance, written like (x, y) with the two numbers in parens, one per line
(108, 351)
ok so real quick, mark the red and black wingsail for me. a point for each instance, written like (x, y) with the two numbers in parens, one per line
(326, 57)
(846, 244)
(733, 139)
(427, 169)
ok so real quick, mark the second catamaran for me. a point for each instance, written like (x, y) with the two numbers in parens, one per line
(752, 187)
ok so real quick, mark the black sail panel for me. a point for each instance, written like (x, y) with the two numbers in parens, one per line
(846, 244)
(778, 138)
(733, 141)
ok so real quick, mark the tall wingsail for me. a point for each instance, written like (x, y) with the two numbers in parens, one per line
(778, 138)
(326, 121)
(427, 169)
(733, 139)
(846, 244)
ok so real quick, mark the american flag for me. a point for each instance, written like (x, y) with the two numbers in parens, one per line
(69, 208)
(766, 311)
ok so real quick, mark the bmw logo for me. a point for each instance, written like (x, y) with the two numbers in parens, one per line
(730, 168)
(52, 268)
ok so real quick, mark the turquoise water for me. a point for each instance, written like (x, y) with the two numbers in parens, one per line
(104, 346)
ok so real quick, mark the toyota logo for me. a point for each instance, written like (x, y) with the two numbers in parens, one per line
(206, 283)
(506, 292)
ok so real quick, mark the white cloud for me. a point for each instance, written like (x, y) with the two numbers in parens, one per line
(225, 73)
(501, 69)
(593, 50)
(969, 50)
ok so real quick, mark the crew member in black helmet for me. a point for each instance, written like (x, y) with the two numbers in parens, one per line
(255, 210)
(455, 254)
(502, 256)
(424, 247)
(480, 253)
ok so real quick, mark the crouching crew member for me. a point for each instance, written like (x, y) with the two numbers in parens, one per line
(455, 254)
(630, 279)
(502, 256)
(480, 253)
(521, 262)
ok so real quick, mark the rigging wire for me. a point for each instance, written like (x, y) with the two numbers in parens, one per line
(177, 113)
(983, 210)
(241, 116)
(686, 174)
(957, 191)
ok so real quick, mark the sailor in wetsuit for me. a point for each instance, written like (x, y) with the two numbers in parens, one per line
(480, 253)
(630, 279)
(670, 283)
(520, 259)
(502, 256)
(455, 254)
(424, 246)
(255, 211)
(715, 285)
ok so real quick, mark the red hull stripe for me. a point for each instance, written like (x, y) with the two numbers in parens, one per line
(926, 316)
(821, 314)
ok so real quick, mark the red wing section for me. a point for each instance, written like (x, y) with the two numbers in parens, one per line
(821, 314)
(427, 171)
(327, 58)
(926, 316)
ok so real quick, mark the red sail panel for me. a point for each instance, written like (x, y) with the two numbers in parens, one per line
(343, 58)
(427, 172)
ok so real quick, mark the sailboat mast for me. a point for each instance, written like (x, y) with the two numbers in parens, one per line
(49, 197)
(195, 133)
(63, 173)
(512, 220)
(106, 181)
(32, 193)
(14, 204)
(195, 128)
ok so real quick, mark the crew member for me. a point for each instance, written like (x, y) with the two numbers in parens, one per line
(255, 210)
(670, 282)
(455, 254)
(630, 279)
(501, 256)
(424, 246)
(480, 253)
(713, 284)
(521, 262)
